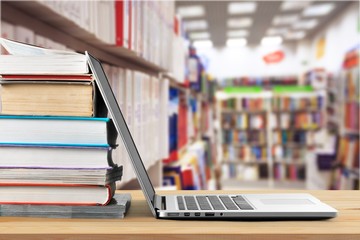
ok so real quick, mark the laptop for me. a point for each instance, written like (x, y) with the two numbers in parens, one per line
(207, 206)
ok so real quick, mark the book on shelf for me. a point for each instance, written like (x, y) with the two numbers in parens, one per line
(27, 59)
(57, 130)
(117, 208)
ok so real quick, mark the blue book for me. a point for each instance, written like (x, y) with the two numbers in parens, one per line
(44, 130)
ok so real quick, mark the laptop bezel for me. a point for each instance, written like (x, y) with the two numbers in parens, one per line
(123, 130)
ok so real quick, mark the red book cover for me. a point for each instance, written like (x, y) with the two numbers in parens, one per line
(187, 179)
(182, 126)
(119, 23)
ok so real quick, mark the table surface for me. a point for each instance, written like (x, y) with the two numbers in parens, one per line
(139, 223)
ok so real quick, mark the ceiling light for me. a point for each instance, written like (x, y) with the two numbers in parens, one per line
(203, 44)
(276, 31)
(318, 10)
(296, 35)
(236, 42)
(290, 5)
(195, 25)
(239, 22)
(306, 24)
(237, 33)
(241, 7)
(271, 41)
(285, 19)
(199, 35)
(191, 11)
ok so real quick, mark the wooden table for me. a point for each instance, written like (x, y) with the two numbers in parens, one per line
(140, 224)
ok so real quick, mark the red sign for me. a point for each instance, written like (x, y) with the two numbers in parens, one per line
(274, 57)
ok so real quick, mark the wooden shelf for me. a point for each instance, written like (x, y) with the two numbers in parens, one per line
(45, 22)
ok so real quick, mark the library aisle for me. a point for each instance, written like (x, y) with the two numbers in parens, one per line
(218, 95)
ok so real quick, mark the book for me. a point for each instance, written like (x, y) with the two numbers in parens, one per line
(37, 175)
(54, 156)
(122, 23)
(117, 208)
(79, 131)
(55, 194)
(27, 59)
(48, 98)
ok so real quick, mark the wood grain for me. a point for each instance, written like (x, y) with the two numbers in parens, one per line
(140, 224)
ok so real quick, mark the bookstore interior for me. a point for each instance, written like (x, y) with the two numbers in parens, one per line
(217, 95)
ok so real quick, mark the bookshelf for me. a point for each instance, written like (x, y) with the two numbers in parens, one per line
(345, 164)
(265, 135)
(48, 23)
(244, 140)
(45, 20)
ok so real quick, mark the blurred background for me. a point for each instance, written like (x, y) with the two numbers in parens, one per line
(251, 94)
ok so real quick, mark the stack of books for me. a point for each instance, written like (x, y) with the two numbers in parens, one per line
(55, 142)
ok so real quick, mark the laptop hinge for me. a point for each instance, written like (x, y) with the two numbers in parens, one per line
(158, 202)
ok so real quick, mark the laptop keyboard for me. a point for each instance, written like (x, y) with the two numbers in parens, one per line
(213, 202)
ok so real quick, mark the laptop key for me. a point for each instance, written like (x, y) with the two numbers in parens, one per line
(191, 203)
(228, 202)
(180, 202)
(242, 203)
(215, 203)
(203, 203)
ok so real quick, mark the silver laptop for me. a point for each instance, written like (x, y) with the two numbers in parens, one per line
(207, 206)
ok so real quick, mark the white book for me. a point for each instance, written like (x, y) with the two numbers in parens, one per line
(129, 115)
(132, 24)
(145, 29)
(24, 35)
(164, 120)
(27, 156)
(40, 41)
(156, 116)
(8, 32)
(27, 59)
(137, 95)
(85, 15)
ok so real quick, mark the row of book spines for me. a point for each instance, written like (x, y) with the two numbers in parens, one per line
(242, 137)
(245, 172)
(298, 137)
(341, 179)
(245, 104)
(136, 25)
(348, 153)
(182, 179)
(289, 172)
(245, 152)
(299, 121)
(278, 103)
(288, 103)
(281, 153)
(351, 115)
(245, 121)
(249, 81)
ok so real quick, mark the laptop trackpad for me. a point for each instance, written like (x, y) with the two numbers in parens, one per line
(288, 201)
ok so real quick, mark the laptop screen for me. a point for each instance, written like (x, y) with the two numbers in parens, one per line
(122, 128)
